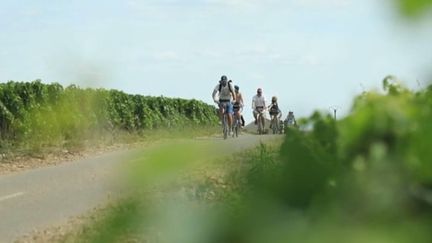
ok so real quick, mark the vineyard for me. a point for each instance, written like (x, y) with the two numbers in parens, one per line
(35, 115)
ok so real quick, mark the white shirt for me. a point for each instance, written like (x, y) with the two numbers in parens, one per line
(258, 101)
(224, 94)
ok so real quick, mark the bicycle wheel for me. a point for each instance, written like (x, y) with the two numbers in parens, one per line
(236, 128)
(260, 125)
(275, 125)
(225, 126)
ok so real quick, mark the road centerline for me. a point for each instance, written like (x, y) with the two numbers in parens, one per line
(10, 196)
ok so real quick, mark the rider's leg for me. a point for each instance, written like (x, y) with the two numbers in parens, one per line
(239, 119)
(272, 117)
(221, 112)
(229, 110)
(230, 121)
(255, 114)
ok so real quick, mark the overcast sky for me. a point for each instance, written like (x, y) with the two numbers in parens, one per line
(312, 54)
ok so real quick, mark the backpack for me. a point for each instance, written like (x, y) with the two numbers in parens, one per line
(229, 86)
(274, 108)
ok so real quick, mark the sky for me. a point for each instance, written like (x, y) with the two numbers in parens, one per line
(311, 54)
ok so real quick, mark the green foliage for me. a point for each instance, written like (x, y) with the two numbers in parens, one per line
(372, 166)
(365, 178)
(36, 115)
(413, 8)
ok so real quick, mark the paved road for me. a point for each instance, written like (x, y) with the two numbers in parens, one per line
(44, 197)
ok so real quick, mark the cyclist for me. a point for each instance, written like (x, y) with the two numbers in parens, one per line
(238, 105)
(258, 104)
(290, 119)
(224, 95)
(274, 110)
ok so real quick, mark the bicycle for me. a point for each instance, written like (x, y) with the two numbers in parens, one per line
(275, 124)
(237, 125)
(281, 127)
(290, 123)
(260, 121)
(225, 126)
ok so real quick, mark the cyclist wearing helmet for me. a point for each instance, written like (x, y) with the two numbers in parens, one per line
(224, 95)
(274, 110)
(290, 119)
(238, 105)
(258, 104)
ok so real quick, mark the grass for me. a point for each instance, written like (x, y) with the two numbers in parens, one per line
(13, 150)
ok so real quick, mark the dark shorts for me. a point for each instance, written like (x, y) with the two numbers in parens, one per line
(236, 107)
(274, 113)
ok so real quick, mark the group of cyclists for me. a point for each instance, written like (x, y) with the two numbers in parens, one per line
(230, 102)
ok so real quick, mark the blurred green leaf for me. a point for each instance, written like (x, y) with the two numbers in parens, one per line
(414, 8)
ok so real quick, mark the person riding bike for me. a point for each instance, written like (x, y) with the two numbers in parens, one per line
(238, 105)
(258, 104)
(290, 119)
(224, 95)
(274, 110)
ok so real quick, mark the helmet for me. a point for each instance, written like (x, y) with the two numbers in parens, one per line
(224, 78)
(236, 87)
(259, 90)
(274, 99)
